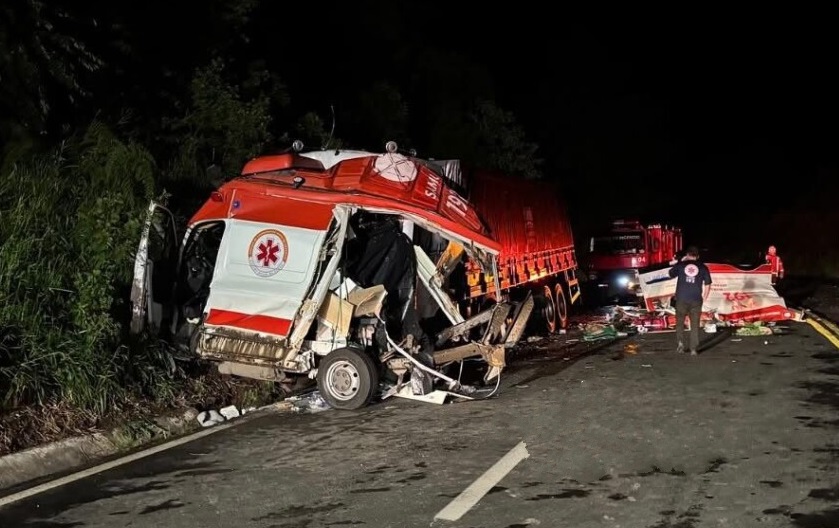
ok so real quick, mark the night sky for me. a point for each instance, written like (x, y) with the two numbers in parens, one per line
(709, 120)
(696, 120)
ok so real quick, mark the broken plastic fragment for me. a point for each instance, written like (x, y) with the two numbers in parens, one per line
(209, 418)
(229, 412)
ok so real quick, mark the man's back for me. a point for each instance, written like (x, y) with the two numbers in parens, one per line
(693, 284)
(690, 276)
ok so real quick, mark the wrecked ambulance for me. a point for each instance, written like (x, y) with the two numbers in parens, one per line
(319, 264)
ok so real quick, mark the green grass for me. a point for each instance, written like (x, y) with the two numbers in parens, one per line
(69, 223)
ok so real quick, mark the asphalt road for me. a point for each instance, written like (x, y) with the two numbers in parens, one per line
(746, 434)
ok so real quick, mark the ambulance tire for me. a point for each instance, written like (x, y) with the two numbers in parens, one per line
(347, 378)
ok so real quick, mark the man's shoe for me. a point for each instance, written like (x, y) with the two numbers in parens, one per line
(680, 349)
(694, 353)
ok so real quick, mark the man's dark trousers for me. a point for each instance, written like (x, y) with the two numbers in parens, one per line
(692, 309)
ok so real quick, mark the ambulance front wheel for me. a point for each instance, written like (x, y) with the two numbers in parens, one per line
(347, 378)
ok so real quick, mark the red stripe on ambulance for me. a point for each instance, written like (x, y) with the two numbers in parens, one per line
(265, 324)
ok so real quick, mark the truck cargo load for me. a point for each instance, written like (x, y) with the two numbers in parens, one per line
(530, 221)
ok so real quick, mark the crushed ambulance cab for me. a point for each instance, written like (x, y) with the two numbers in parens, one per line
(336, 265)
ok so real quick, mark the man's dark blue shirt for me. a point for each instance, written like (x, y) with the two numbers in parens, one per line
(690, 275)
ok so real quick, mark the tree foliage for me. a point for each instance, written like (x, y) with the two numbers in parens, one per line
(220, 128)
(501, 143)
(69, 232)
(43, 62)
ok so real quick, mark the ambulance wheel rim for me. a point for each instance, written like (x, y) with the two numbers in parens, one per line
(342, 380)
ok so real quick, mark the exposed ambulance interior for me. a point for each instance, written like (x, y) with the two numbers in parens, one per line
(336, 265)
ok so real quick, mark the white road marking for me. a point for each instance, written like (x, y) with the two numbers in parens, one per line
(29, 492)
(469, 497)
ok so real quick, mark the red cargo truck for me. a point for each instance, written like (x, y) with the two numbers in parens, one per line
(530, 221)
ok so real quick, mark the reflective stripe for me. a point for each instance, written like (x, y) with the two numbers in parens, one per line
(258, 323)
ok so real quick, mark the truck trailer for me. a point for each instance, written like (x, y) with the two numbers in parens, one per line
(361, 270)
(529, 219)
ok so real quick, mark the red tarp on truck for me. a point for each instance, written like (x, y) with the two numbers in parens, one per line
(525, 216)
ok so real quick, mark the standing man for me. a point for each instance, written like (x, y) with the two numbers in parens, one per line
(693, 284)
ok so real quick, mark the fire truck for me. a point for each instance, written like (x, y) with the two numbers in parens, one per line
(365, 271)
(615, 258)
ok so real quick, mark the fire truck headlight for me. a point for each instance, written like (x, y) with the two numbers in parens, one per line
(623, 281)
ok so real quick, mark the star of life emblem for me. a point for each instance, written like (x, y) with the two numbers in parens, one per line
(268, 253)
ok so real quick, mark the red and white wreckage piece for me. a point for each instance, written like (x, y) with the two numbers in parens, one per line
(738, 296)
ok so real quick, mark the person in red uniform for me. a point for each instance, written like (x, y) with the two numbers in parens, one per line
(777, 264)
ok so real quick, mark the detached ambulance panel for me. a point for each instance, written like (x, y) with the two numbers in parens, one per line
(737, 295)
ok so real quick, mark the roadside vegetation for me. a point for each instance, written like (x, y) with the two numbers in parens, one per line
(78, 167)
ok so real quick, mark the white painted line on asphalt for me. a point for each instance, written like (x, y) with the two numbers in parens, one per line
(29, 492)
(469, 497)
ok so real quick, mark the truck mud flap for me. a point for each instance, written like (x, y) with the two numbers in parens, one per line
(573, 285)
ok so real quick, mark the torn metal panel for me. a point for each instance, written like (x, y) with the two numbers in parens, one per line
(449, 259)
(495, 356)
(367, 302)
(427, 274)
(141, 285)
(154, 267)
(333, 319)
(495, 329)
(308, 311)
(519, 321)
(492, 354)
(437, 397)
(461, 330)
(245, 347)
(458, 353)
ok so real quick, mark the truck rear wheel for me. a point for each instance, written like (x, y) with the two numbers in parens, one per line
(548, 311)
(561, 306)
(347, 378)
